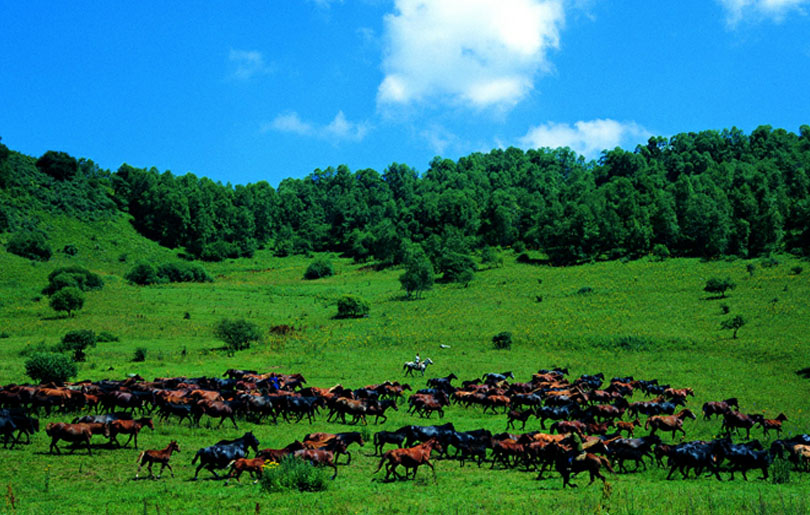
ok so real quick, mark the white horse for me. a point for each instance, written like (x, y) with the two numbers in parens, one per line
(410, 366)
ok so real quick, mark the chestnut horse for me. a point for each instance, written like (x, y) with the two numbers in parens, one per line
(70, 433)
(157, 456)
(410, 458)
(129, 427)
(669, 423)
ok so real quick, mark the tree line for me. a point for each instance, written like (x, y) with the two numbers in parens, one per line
(704, 194)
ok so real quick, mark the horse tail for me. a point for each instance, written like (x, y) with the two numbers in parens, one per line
(382, 460)
(140, 457)
(606, 462)
(230, 464)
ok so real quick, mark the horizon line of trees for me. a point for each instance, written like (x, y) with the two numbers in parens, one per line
(702, 194)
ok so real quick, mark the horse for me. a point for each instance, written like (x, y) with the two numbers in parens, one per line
(671, 423)
(253, 466)
(278, 454)
(161, 456)
(718, 408)
(633, 449)
(223, 452)
(568, 464)
(410, 366)
(737, 420)
(514, 415)
(697, 455)
(130, 427)
(214, 409)
(378, 409)
(71, 433)
(338, 442)
(383, 437)
(410, 458)
(317, 457)
(775, 424)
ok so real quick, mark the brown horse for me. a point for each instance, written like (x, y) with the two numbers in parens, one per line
(75, 433)
(737, 420)
(279, 454)
(254, 467)
(774, 424)
(568, 464)
(130, 427)
(410, 458)
(627, 426)
(669, 423)
(157, 456)
(214, 409)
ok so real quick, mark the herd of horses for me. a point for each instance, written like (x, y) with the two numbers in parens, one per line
(593, 423)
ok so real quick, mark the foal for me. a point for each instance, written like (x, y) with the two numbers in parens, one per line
(153, 456)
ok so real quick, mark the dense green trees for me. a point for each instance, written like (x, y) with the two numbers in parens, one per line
(702, 194)
(67, 299)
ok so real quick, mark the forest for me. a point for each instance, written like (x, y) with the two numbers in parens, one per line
(705, 194)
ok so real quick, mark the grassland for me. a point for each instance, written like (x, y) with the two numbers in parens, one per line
(643, 318)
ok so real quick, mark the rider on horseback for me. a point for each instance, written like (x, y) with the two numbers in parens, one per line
(416, 361)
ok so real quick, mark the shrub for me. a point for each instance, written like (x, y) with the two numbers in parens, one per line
(142, 274)
(219, 250)
(4, 335)
(491, 257)
(456, 267)
(77, 342)
(75, 276)
(237, 334)
(70, 250)
(294, 474)
(769, 262)
(183, 273)
(318, 269)
(502, 340)
(585, 290)
(660, 252)
(104, 336)
(30, 245)
(724, 309)
(750, 268)
(352, 307)
(68, 299)
(519, 247)
(140, 355)
(796, 270)
(46, 367)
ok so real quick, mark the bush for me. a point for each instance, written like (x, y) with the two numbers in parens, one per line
(73, 276)
(418, 275)
(68, 299)
(140, 355)
(796, 270)
(70, 250)
(143, 274)
(585, 290)
(660, 252)
(352, 307)
(30, 245)
(104, 336)
(319, 268)
(237, 334)
(47, 367)
(750, 268)
(456, 267)
(183, 273)
(294, 474)
(733, 324)
(491, 257)
(769, 262)
(219, 251)
(724, 309)
(502, 340)
(76, 342)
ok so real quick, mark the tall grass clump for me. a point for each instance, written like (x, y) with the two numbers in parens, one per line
(502, 340)
(294, 474)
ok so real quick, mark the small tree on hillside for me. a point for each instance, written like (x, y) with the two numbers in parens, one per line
(68, 299)
(77, 342)
(716, 285)
(318, 269)
(50, 367)
(237, 334)
(733, 324)
(491, 257)
(352, 307)
(418, 276)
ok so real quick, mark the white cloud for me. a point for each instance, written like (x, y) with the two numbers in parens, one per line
(754, 10)
(588, 138)
(338, 130)
(484, 53)
(247, 64)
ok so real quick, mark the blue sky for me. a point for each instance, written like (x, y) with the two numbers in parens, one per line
(264, 90)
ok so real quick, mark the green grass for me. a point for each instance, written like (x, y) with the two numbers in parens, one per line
(642, 318)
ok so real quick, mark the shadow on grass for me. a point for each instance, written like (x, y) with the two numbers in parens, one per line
(805, 373)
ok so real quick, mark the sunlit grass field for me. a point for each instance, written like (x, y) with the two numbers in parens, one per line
(670, 325)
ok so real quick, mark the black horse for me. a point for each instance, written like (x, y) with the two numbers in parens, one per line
(223, 452)
(420, 434)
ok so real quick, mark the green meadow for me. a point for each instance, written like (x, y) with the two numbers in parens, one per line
(642, 318)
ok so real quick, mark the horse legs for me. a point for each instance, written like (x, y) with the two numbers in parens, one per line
(54, 446)
(87, 441)
(234, 422)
